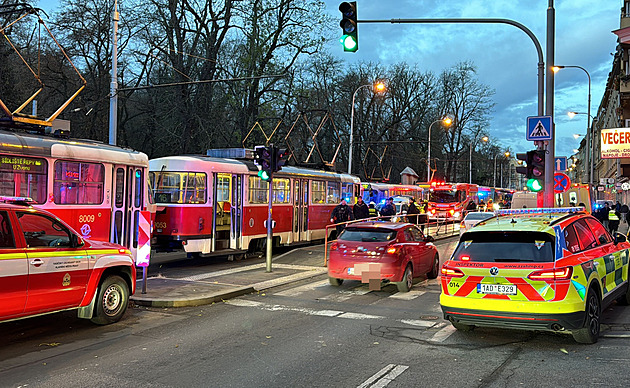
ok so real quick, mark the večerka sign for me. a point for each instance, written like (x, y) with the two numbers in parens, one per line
(615, 143)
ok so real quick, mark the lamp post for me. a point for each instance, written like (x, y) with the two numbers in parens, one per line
(590, 146)
(447, 121)
(378, 87)
(507, 155)
(590, 155)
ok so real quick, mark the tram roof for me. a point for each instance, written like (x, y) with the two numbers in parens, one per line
(74, 149)
(186, 162)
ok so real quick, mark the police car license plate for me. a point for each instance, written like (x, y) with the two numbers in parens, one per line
(351, 271)
(500, 289)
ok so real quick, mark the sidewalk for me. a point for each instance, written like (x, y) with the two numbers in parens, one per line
(189, 283)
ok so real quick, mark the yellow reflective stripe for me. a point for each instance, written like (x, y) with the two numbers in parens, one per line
(12, 256)
(105, 251)
(36, 254)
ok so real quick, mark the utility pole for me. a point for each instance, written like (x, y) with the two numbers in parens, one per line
(113, 97)
(550, 155)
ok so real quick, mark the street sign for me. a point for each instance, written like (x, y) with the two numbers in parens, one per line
(560, 163)
(561, 182)
(611, 181)
(539, 128)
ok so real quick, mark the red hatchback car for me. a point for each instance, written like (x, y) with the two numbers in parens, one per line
(375, 251)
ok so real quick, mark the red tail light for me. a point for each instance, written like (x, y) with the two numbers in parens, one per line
(452, 272)
(452, 211)
(552, 274)
(391, 250)
(334, 246)
(465, 258)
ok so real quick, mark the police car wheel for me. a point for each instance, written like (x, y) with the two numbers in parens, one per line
(589, 333)
(111, 301)
(335, 282)
(407, 280)
(435, 268)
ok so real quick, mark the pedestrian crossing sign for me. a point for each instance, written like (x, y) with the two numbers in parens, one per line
(539, 128)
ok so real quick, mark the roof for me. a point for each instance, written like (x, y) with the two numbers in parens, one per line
(521, 223)
(380, 224)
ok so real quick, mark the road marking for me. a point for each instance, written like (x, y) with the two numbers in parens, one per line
(324, 313)
(385, 376)
(295, 291)
(343, 295)
(407, 295)
(443, 334)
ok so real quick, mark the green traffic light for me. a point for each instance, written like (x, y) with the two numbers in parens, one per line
(349, 43)
(264, 175)
(534, 185)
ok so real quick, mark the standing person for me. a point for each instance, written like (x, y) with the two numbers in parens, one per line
(360, 209)
(624, 212)
(613, 221)
(423, 217)
(412, 212)
(372, 210)
(389, 209)
(604, 214)
(341, 213)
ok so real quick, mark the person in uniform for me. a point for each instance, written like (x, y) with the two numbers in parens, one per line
(341, 213)
(389, 209)
(360, 209)
(372, 212)
(412, 212)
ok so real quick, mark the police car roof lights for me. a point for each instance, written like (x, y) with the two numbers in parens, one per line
(540, 210)
(25, 201)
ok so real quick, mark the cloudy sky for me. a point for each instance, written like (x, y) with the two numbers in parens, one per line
(505, 56)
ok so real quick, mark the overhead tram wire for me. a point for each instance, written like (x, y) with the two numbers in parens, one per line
(201, 82)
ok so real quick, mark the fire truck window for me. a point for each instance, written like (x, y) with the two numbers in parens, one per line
(78, 183)
(43, 231)
(6, 234)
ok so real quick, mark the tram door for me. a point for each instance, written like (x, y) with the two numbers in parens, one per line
(221, 225)
(236, 212)
(300, 210)
(127, 200)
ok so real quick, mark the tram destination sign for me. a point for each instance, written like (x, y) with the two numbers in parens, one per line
(22, 164)
(615, 143)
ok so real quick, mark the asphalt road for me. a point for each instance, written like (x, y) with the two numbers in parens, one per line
(306, 334)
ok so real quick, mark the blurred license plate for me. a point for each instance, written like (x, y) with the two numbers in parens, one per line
(501, 289)
(351, 271)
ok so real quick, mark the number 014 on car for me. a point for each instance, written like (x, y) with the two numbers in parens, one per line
(501, 289)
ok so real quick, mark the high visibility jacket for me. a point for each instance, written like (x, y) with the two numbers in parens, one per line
(612, 216)
(372, 212)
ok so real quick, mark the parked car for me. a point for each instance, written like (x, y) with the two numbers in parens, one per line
(383, 252)
(45, 267)
(473, 218)
(539, 269)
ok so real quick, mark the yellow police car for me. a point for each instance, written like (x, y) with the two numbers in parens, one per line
(539, 269)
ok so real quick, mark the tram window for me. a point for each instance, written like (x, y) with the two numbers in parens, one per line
(24, 177)
(118, 219)
(223, 188)
(346, 192)
(281, 191)
(257, 191)
(318, 192)
(139, 191)
(136, 227)
(120, 186)
(78, 183)
(333, 194)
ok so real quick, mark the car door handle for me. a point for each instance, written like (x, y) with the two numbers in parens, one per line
(37, 262)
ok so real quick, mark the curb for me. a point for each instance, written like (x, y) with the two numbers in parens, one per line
(185, 302)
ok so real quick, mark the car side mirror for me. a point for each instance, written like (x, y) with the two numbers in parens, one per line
(619, 238)
(429, 239)
(76, 241)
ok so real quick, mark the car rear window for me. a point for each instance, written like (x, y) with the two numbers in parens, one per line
(505, 247)
(478, 216)
(367, 234)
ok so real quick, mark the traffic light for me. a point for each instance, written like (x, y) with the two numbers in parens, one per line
(263, 160)
(350, 37)
(279, 158)
(522, 169)
(536, 170)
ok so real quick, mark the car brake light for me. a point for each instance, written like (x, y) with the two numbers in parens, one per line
(392, 250)
(452, 272)
(433, 211)
(462, 225)
(552, 274)
(334, 246)
(465, 258)
(452, 211)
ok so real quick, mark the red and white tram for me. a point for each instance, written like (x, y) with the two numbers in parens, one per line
(98, 189)
(450, 200)
(208, 205)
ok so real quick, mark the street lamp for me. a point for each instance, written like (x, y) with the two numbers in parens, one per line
(507, 155)
(377, 87)
(590, 155)
(446, 121)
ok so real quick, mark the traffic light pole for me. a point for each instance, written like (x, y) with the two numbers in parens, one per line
(548, 196)
(269, 224)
